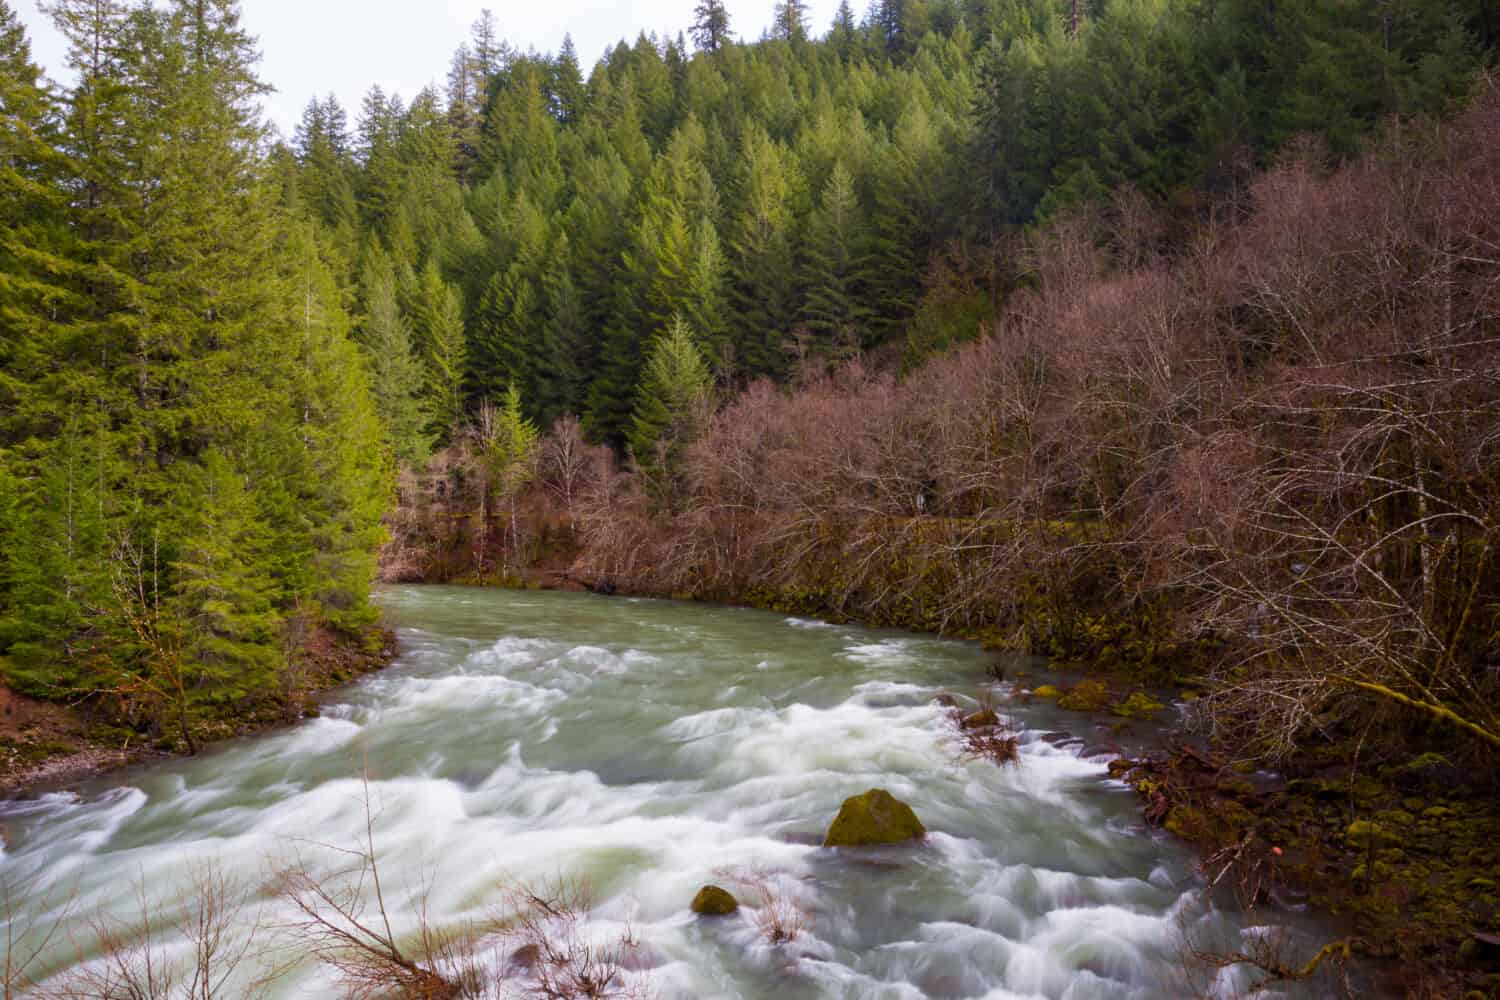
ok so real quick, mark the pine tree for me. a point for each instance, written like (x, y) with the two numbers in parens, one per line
(465, 106)
(674, 388)
(790, 20)
(842, 36)
(381, 177)
(485, 43)
(323, 148)
(55, 581)
(710, 29)
(508, 447)
(397, 377)
(34, 242)
(222, 632)
(438, 318)
(835, 305)
(763, 278)
(569, 95)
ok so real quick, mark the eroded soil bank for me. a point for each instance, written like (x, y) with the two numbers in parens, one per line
(49, 744)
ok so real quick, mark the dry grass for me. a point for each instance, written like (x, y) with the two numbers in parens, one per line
(998, 742)
(776, 912)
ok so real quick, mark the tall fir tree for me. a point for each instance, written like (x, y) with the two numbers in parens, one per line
(397, 376)
(835, 306)
(763, 278)
(789, 20)
(711, 25)
(674, 388)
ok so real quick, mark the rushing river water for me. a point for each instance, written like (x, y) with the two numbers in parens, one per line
(649, 748)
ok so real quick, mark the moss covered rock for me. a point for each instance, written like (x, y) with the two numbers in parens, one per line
(1139, 705)
(1088, 696)
(876, 817)
(983, 719)
(1047, 691)
(712, 901)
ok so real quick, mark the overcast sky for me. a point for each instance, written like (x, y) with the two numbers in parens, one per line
(315, 46)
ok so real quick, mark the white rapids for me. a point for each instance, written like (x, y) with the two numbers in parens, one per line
(648, 748)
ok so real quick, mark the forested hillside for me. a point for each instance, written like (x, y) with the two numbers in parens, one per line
(193, 474)
(221, 349)
(823, 192)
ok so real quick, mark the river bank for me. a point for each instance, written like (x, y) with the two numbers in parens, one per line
(45, 745)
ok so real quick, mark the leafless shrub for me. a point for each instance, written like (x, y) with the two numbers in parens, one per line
(981, 739)
(226, 942)
(26, 939)
(553, 952)
(1270, 957)
(778, 915)
(569, 464)
(345, 923)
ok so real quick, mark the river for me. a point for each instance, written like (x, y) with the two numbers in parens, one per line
(647, 748)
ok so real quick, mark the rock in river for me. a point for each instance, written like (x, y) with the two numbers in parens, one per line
(712, 901)
(876, 817)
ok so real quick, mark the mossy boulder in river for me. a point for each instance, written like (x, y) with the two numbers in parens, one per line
(712, 901)
(876, 817)
(1088, 696)
(985, 718)
(1139, 705)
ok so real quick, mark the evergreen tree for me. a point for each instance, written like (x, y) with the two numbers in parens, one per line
(835, 308)
(763, 263)
(55, 578)
(790, 20)
(569, 95)
(323, 148)
(488, 49)
(674, 385)
(442, 346)
(508, 448)
(711, 25)
(842, 36)
(398, 381)
(465, 106)
(34, 242)
(222, 634)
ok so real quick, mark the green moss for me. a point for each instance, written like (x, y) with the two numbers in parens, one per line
(1139, 705)
(876, 817)
(35, 753)
(1047, 691)
(983, 719)
(1088, 696)
(713, 901)
(1364, 833)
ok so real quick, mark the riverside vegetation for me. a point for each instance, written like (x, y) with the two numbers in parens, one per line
(1160, 337)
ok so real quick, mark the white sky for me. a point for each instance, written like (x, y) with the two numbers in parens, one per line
(314, 46)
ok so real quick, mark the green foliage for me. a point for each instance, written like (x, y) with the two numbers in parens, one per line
(509, 444)
(673, 390)
(1162, 93)
(190, 448)
(397, 376)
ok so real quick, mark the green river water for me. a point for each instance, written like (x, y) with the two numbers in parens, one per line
(648, 748)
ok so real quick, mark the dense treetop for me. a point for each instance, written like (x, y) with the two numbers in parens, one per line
(787, 196)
